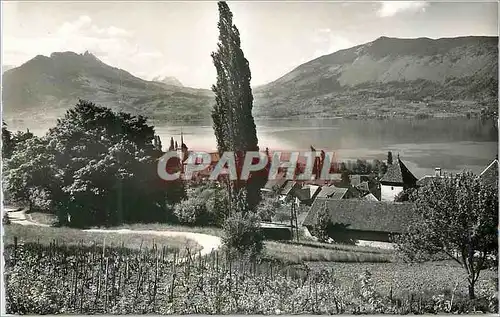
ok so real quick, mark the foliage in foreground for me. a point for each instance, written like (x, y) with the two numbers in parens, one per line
(456, 216)
(95, 167)
(242, 231)
(59, 279)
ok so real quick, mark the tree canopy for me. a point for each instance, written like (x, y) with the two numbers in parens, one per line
(457, 217)
(233, 123)
(95, 167)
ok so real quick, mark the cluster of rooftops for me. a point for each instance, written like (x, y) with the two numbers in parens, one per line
(357, 205)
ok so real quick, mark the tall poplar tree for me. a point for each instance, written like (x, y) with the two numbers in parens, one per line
(233, 123)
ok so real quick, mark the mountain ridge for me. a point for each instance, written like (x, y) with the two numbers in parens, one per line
(388, 74)
(49, 85)
(385, 77)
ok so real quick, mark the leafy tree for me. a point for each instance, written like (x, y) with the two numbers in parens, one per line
(458, 217)
(389, 158)
(361, 166)
(192, 211)
(404, 196)
(32, 177)
(320, 230)
(217, 206)
(19, 137)
(242, 231)
(172, 146)
(233, 123)
(345, 179)
(109, 168)
(7, 142)
(157, 143)
(268, 207)
(95, 167)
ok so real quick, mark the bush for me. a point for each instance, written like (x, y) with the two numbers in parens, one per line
(268, 208)
(217, 207)
(5, 219)
(320, 230)
(192, 211)
(242, 233)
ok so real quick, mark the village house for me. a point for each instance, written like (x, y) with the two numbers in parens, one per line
(332, 192)
(354, 219)
(397, 178)
(369, 197)
(306, 194)
(427, 179)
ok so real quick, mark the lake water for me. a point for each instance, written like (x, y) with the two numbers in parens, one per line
(453, 144)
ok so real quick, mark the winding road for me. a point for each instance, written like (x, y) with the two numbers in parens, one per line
(207, 242)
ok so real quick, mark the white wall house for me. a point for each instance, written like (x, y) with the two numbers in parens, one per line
(397, 179)
(389, 192)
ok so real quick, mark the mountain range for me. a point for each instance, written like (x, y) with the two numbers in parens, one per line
(386, 77)
(45, 87)
(389, 76)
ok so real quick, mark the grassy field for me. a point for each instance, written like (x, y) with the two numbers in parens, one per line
(404, 278)
(69, 236)
(322, 252)
(218, 232)
(49, 219)
(43, 218)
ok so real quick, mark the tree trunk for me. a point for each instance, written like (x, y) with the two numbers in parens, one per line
(472, 295)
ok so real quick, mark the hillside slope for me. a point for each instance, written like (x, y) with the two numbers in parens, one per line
(45, 87)
(389, 77)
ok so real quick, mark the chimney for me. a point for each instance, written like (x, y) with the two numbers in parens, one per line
(437, 172)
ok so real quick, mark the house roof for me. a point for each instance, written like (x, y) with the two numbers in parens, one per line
(332, 192)
(427, 179)
(489, 176)
(369, 197)
(363, 215)
(279, 182)
(289, 185)
(399, 173)
(363, 186)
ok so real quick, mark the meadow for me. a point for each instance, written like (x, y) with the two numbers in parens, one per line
(79, 238)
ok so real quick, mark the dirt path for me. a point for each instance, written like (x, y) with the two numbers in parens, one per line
(207, 242)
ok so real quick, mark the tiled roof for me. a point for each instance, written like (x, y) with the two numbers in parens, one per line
(363, 215)
(427, 179)
(369, 197)
(363, 186)
(288, 187)
(490, 174)
(332, 192)
(399, 173)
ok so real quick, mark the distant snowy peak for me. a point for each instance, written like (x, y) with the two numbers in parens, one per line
(168, 80)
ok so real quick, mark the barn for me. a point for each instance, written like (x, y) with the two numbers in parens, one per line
(353, 219)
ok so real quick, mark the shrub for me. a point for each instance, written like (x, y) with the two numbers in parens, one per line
(5, 219)
(242, 233)
(217, 207)
(242, 229)
(320, 230)
(192, 211)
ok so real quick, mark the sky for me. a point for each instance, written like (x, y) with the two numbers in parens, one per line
(151, 39)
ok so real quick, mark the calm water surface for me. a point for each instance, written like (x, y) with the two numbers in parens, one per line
(453, 144)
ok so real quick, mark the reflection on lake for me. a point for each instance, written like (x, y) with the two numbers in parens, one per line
(452, 144)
